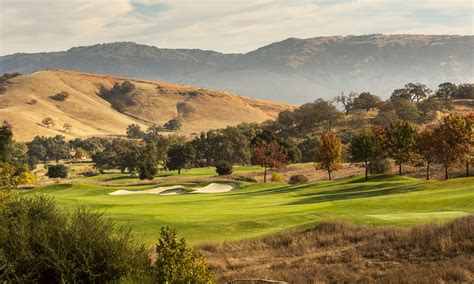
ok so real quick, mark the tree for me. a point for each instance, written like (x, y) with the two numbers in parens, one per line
(148, 161)
(154, 130)
(8, 180)
(454, 141)
(6, 141)
(400, 142)
(347, 101)
(364, 147)
(366, 101)
(67, 127)
(465, 91)
(176, 263)
(328, 156)
(61, 96)
(134, 131)
(180, 156)
(425, 148)
(173, 124)
(413, 92)
(48, 122)
(269, 155)
(446, 92)
(224, 168)
(57, 171)
(429, 107)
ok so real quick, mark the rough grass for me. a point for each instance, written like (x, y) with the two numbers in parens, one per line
(260, 209)
(340, 252)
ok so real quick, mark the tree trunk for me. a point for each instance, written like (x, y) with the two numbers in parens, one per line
(400, 169)
(372, 167)
(265, 175)
(179, 171)
(366, 170)
(329, 173)
(428, 171)
(446, 171)
(467, 168)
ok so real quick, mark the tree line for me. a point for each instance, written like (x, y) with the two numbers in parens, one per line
(368, 130)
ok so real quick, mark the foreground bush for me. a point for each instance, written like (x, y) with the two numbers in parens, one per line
(41, 244)
(298, 179)
(176, 263)
(223, 169)
(57, 171)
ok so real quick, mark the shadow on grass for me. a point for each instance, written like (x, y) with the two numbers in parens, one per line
(365, 191)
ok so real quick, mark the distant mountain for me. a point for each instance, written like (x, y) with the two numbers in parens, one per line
(293, 70)
(29, 99)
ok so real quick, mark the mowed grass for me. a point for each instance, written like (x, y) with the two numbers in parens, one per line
(261, 209)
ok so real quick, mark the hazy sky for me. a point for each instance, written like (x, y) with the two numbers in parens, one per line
(225, 25)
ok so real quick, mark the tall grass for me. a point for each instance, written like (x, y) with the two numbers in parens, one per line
(340, 252)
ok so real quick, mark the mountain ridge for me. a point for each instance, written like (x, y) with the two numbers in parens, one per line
(292, 70)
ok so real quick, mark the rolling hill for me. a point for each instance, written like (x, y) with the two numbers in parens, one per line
(27, 101)
(293, 70)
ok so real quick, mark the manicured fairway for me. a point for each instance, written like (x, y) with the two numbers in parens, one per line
(259, 209)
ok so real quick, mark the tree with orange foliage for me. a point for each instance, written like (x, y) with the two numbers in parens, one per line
(454, 141)
(328, 156)
(270, 156)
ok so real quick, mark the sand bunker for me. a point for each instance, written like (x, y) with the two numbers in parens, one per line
(157, 190)
(179, 189)
(216, 187)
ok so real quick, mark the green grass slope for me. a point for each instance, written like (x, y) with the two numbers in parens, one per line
(261, 209)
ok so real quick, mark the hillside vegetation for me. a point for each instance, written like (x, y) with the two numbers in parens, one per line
(72, 98)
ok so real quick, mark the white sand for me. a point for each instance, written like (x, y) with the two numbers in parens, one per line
(216, 188)
(157, 190)
(178, 189)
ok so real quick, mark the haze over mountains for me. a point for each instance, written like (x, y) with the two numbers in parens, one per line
(293, 70)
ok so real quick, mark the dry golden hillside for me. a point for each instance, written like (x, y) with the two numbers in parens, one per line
(27, 102)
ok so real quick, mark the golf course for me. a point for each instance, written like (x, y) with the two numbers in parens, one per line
(254, 210)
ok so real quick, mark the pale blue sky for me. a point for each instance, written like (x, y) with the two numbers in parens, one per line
(225, 25)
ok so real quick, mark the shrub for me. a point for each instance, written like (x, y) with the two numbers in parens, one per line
(173, 124)
(27, 177)
(57, 171)
(224, 168)
(380, 166)
(244, 178)
(91, 173)
(176, 263)
(61, 96)
(296, 179)
(277, 177)
(41, 243)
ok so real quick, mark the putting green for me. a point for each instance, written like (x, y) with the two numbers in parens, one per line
(260, 209)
